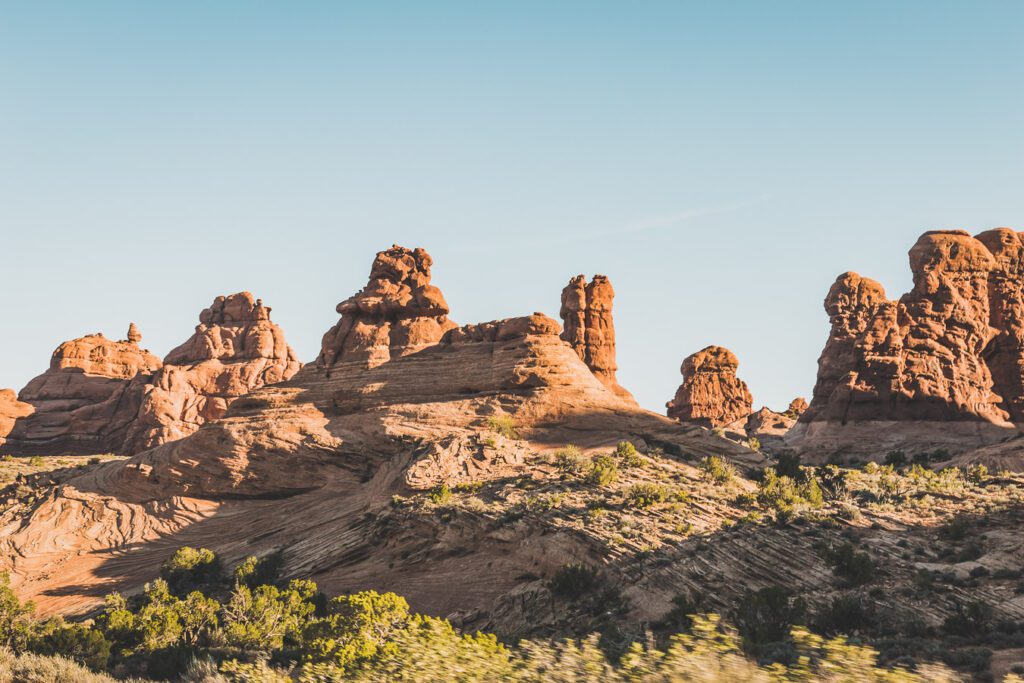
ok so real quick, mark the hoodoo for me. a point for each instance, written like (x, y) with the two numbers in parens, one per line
(711, 394)
(586, 314)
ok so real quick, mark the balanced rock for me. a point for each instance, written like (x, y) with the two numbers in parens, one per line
(82, 403)
(589, 328)
(926, 371)
(711, 394)
(397, 313)
(235, 349)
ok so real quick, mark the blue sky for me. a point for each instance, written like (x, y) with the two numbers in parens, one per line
(721, 162)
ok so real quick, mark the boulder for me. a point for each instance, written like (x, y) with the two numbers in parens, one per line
(711, 394)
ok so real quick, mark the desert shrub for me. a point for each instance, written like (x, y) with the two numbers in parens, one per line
(15, 617)
(766, 616)
(834, 482)
(971, 619)
(956, 528)
(785, 495)
(846, 562)
(573, 581)
(191, 568)
(79, 642)
(33, 668)
(896, 458)
(570, 460)
(603, 471)
(646, 495)
(355, 628)
(503, 425)
(754, 444)
(36, 461)
(787, 464)
(977, 474)
(440, 495)
(717, 470)
(684, 607)
(846, 614)
(266, 617)
(256, 571)
(627, 453)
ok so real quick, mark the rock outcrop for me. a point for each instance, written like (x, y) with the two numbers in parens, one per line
(401, 400)
(797, 407)
(104, 396)
(11, 410)
(711, 394)
(235, 349)
(925, 371)
(398, 312)
(82, 403)
(589, 328)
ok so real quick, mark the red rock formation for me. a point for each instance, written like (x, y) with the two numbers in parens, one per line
(397, 313)
(235, 349)
(711, 394)
(1005, 353)
(82, 404)
(11, 410)
(921, 361)
(797, 407)
(586, 314)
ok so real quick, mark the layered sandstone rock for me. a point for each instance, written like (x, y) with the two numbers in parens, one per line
(310, 463)
(11, 410)
(586, 314)
(766, 423)
(1005, 353)
(235, 349)
(797, 407)
(924, 361)
(398, 312)
(711, 394)
(82, 403)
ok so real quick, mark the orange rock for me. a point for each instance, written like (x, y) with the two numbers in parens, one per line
(586, 313)
(11, 410)
(235, 349)
(1005, 353)
(397, 313)
(711, 394)
(82, 404)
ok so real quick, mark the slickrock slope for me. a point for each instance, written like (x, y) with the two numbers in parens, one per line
(586, 314)
(235, 349)
(400, 401)
(711, 394)
(915, 374)
(82, 403)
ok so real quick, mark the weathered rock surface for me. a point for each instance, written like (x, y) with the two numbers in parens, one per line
(312, 464)
(915, 373)
(235, 349)
(586, 314)
(711, 394)
(82, 403)
(398, 312)
(766, 423)
(11, 410)
(797, 407)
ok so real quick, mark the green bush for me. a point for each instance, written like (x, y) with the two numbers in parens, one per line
(191, 568)
(628, 454)
(846, 614)
(78, 642)
(604, 471)
(570, 460)
(256, 571)
(972, 619)
(785, 495)
(716, 469)
(767, 616)
(440, 495)
(356, 628)
(573, 581)
(646, 495)
(15, 617)
(855, 567)
(503, 425)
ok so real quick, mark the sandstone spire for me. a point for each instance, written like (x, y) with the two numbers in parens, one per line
(134, 336)
(589, 328)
